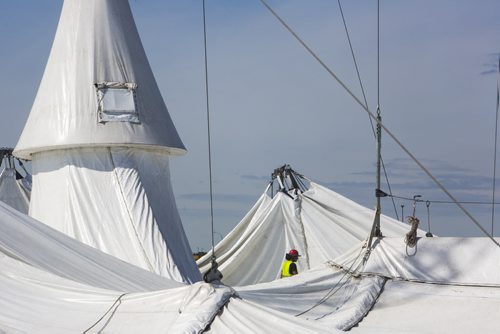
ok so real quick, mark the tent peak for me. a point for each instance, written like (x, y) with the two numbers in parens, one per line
(288, 180)
(98, 88)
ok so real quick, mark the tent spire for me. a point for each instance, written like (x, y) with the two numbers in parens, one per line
(100, 139)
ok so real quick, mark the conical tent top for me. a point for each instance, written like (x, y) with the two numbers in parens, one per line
(98, 88)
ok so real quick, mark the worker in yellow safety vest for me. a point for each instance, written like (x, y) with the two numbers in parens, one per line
(289, 267)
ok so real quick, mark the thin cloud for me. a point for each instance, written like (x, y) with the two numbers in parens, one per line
(407, 179)
(407, 169)
(431, 164)
(488, 72)
(491, 66)
(347, 184)
(254, 177)
(205, 197)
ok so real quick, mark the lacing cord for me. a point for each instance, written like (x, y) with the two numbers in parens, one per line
(117, 302)
(337, 286)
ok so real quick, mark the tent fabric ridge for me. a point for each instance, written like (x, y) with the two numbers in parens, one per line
(131, 221)
(355, 322)
(298, 201)
(226, 298)
(8, 253)
(27, 154)
(361, 274)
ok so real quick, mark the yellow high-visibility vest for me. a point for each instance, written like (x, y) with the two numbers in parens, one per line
(285, 269)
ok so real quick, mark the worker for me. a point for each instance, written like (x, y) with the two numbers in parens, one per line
(289, 267)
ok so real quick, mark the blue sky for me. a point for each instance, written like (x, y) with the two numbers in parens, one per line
(271, 103)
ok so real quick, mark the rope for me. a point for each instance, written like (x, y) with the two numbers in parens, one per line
(495, 152)
(315, 56)
(411, 237)
(208, 134)
(366, 102)
(442, 202)
(355, 62)
(333, 291)
(118, 300)
(378, 53)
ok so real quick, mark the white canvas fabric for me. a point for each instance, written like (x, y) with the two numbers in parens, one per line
(118, 200)
(442, 285)
(28, 246)
(51, 283)
(335, 224)
(469, 261)
(406, 307)
(240, 316)
(13, 192)
(101, 177)
(325, 295)
(443, 273)
(96, 43)
(319, 223)
(34, 301)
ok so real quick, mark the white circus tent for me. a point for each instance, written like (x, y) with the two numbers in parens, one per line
(51, 283)
(320, 223)
(345, 285)
(99, 136)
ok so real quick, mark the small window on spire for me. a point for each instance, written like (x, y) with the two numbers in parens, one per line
(116, 102)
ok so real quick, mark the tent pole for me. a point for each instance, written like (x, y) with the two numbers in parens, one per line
(379, 155)
(376, 222)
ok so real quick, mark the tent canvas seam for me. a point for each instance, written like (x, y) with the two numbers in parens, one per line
(124, 201)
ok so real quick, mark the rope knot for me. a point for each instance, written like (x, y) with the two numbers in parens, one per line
(411, 237)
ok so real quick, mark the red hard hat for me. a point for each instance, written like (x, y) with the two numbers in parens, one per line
(293, 252)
